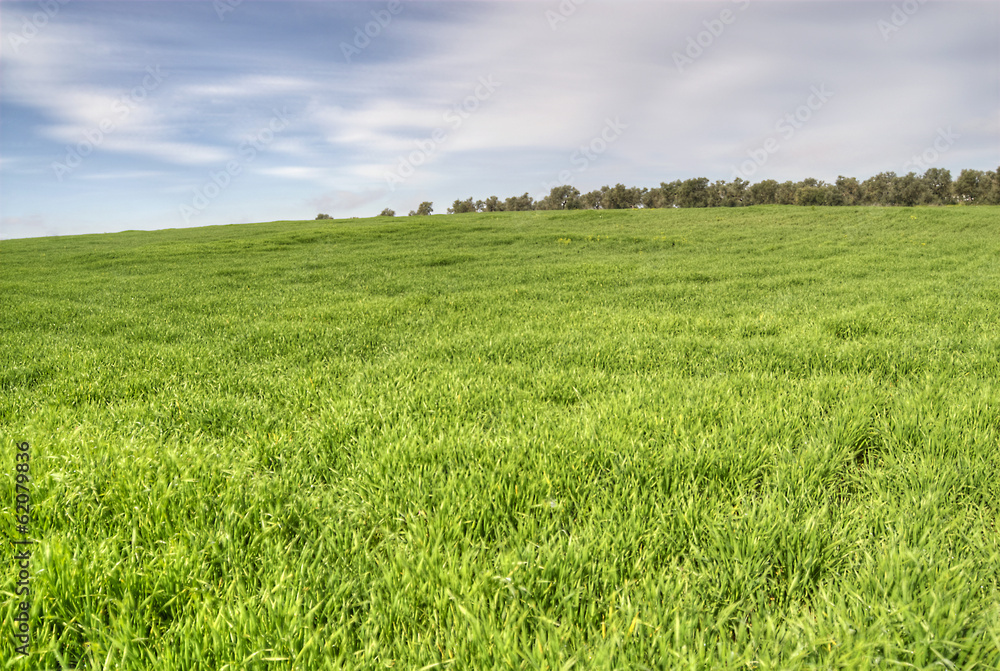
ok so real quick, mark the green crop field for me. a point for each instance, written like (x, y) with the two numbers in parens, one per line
(753, 438)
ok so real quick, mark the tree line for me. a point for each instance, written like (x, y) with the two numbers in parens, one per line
(934, 187)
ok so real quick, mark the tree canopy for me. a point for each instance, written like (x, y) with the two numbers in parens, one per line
(934, 187)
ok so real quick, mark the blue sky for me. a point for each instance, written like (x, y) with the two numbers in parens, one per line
(149, 115)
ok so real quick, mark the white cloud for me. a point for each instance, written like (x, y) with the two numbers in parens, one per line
(82, 113)
(298, 172)
(240, 88)
(124, 175)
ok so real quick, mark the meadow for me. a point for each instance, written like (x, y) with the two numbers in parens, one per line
(753, 438)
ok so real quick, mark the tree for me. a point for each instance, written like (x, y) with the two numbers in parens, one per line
(661, 196)
(387, 213)
(564, 197)
(524, 203)
(462, 206)
(592, 200)
(323, 216)
(969, 186)
(810, 195)
(425, 209)
(992, 196)
(937, 181)
(621, 197)
(733, 194)
(879, 190)
(492, 204)
(717, 193)
(668, 194)
(910, 190)
(784, 194)
(846, 191)
(693, 192)
(763, 193)
(649, 198)
(635, 196)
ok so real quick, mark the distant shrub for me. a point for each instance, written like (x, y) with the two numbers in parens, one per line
(387, 213)
(464, 206)
(810, 195)
(425, 209)
(323, 216)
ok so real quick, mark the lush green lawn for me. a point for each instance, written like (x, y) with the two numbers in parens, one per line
(750, 438)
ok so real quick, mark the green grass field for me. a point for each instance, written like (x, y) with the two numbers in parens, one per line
(758, 438)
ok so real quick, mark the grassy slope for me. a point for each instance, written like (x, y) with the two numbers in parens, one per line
(693, 438)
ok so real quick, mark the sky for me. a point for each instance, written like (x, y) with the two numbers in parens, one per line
(150, 115)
